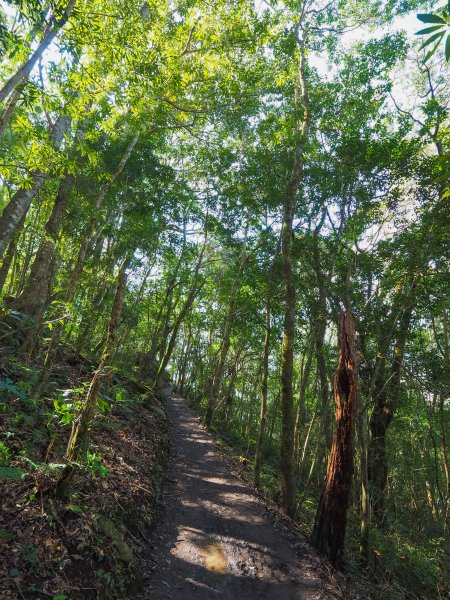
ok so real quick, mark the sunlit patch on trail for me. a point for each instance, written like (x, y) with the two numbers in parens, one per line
(214, 558)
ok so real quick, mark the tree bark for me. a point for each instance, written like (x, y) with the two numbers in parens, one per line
(263, 409)
(287, 346)
(321, 325)
(88, 238)
(10, 254)
(195, 288)
(24, 71)
(19, 204)
(78, 270)
(79, 437)
(226, 335)
(364, 530)
(331, 517)
(9, 109)
(35, 296)
(385, 403)
(300, 414)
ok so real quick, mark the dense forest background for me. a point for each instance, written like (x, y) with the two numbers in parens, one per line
(242, 195)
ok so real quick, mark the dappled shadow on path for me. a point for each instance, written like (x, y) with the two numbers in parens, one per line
(215, 538)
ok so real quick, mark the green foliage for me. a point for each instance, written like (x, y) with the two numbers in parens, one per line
(8, 386)
(93, 464)
(210, 94)
(44, 468)
(4, 455)
(439, 31)
(12, 473)
(404, 564)
(67, 405)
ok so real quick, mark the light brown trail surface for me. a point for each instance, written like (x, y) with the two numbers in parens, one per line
(216, 539)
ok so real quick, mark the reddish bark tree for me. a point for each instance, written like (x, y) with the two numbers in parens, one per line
(331, 517)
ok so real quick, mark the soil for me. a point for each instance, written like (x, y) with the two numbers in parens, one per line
(216, 538)
(91, 547)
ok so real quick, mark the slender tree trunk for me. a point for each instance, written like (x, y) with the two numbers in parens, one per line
(79, 437)
(386, 401)
(229, 396)
(443, 422)
(78, 269)
(19, 204)
(36, 293)
(90, 234)
(124, 337)
(263, 409)
(274, 419)
(85, 326)
(10, 254)
(331, 517)
(287, 346)
(226, 335)
(364, 542)
(24, 71)
(195, 288)
(184, 363)
(9, 109)
(300, 415)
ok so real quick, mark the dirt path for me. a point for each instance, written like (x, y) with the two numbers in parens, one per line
(216, 539)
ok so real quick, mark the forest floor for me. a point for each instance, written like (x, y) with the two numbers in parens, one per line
(216, 538)
(92, 546)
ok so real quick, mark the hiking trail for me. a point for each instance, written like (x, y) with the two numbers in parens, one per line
(216, 539)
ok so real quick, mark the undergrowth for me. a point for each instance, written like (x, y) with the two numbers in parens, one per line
(401, 565)
(90, 546)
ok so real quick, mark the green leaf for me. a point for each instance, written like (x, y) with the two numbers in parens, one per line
(9, 387)
(431, 39)
(74, 508)
(431, 52)
(430, 18)
(13, 473)
(428, 30)
(447, 48)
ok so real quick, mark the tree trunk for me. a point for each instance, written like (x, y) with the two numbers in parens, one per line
(24, 71)
(195, 288)
(78, 269)
(10, 254)
(287, 346)
(19, 204)
(386, 400)
(184, 363)
(229, 320)
(300, 414)
(263, 410)
(79, 437)
(443, 421)
(9, 109)
(36, 294)
(89, 235)
(364, 484)
(331, 517)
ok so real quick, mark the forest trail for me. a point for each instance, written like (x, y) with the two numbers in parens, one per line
(216, 539)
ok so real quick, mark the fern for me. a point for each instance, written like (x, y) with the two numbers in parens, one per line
(12, 473)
